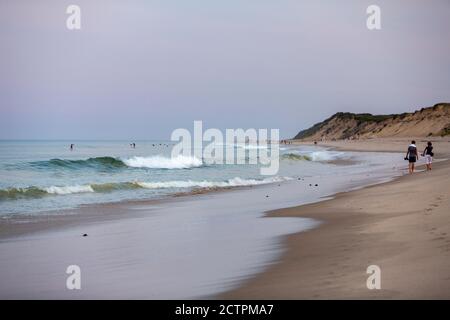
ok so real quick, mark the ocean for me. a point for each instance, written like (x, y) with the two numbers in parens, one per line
(46, 176)
(182, 247)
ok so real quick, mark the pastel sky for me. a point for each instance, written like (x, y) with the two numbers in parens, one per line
(138, 69)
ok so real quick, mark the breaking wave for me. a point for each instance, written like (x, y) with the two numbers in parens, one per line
(325, 155)
(102, 163)
(235, 182)
(159, 162)
(318, 156)
(295, 157)
(38, 192)
(98, 163)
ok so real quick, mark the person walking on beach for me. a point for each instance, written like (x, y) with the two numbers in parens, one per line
(428, 154)
(412, 156)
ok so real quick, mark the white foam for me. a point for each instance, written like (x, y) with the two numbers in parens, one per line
(235, 182)
(69, 189)
(160, 162)
(325, 155)
(252, 146)
(322, 155)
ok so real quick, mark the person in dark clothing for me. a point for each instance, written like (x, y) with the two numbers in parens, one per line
(412, 156)
(428, 154)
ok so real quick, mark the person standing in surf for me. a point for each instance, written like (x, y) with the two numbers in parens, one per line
(428, 154)
(412, 156)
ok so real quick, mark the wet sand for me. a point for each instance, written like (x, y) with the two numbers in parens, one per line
(182, 247)
(402, 226)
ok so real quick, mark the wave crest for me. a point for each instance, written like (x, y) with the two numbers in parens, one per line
(103, 163)
(38, 192)
(316, 156)
(234, 182)
(160, 162)
(295, 157)
(68, 189)
(97, 163)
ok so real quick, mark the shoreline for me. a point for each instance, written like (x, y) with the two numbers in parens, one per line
(380, 144)
(120, 233)
(73, 217)
(148, 238)
(277, 278)
(401, 225)
(41, 221)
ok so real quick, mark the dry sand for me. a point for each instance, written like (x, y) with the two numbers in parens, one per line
(441, 144)
(402, 226)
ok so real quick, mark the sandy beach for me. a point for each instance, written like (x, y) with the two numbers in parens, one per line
(319, 250)
(401, 226)
(397, 144)
(169, 150)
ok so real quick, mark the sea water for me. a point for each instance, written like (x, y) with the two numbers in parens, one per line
(190, 247)
(38, 176)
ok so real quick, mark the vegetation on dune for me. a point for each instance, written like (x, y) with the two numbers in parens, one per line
(363, 117)
(445, 131)
(315, 128)
(309, 132)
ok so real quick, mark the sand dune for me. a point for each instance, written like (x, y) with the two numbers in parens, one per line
(431, 121)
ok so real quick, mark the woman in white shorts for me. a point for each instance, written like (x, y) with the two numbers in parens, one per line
(428, 154)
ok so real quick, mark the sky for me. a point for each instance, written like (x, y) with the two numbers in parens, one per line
(139, 69)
